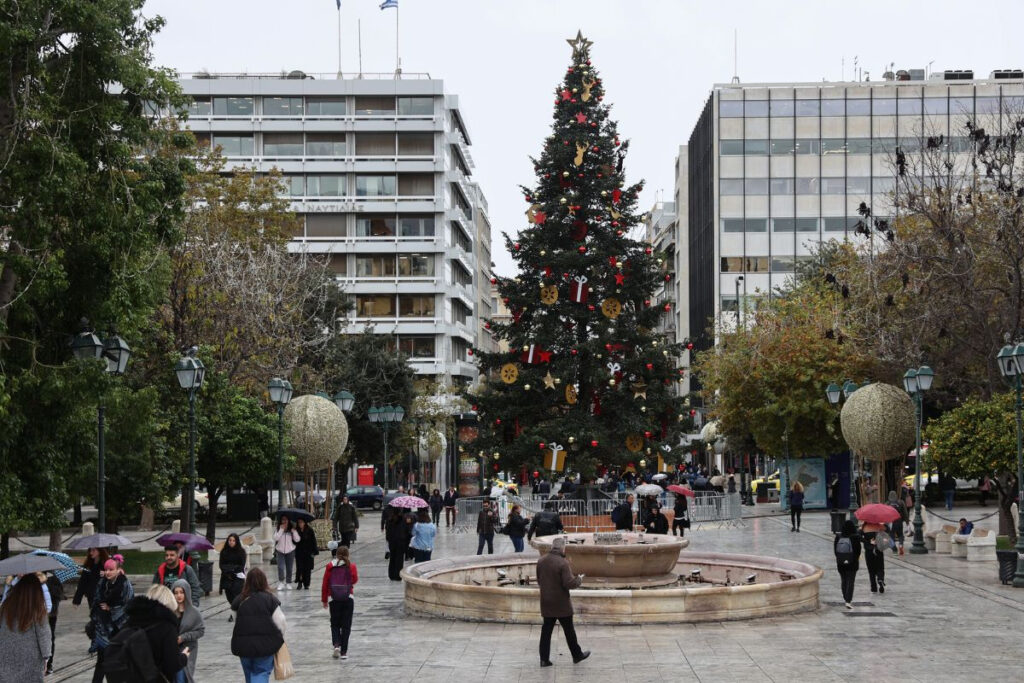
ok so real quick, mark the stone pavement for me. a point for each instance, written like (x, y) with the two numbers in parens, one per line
(939, 620)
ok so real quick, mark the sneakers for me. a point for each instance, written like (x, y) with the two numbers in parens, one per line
(881, 586)
(287, 586)
(544, 663)
(849, 605)
(792, 529)
(798, 529)
(344, 656)
(337, 652)
(280, 586)
(583, 655)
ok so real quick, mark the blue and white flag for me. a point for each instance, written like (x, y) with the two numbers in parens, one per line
(339, 4)
(388, 3)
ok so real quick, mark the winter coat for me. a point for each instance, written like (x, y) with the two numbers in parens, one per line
(545, 523)
(256, 634)
(347, 517)
(450, 497)
(284, 541)
(436, 502)
(306, 547)
(624, 517)
(182, 571)
(855, 540)
(396, 533)
(161, 626)
(796, 499)
(116, 595)
(485, 521)
(87, 582)
(23, 654)
(515, 527)
(325, 587)
(232, 563)
(555, 578)
(190, 629)
(657, 523)
(423, 535)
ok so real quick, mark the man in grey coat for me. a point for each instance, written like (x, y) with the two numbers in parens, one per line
(555, 578)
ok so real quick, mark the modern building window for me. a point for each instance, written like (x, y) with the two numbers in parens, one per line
(325, 225)
(375, 226)
(460, 312)
(461, 276)
(936, 105)
(986, 105)
(282, 106)
(232, 106)
(460, 347)
(883, 185)
(294, 185)
(755, 147)
(833, 146)
(234, 145)
(730, 109)
(325, 144)
(858, 145)
(416, 265)
(745, 264)
(839, 223)
(375, 265)
(781, 186)
(417, 347)
(416, 144)
(325, 106)
(755, 108)
(808, 146)
(783, 147)
(326, 185)
(337, 263)
(744, 225)
(416, 184)
(202, 139)
(961, 105)
(781, 108)
(375, 305)
(857, 185)
(858, 107)
(282, 144)
(795, 225)
(459, 238)
(730, 186)
(416, 305)
(375, 144)
(883, 106)
(416, 226)
(782, 264)
(730, 148)
(833, 185)
(833, 107)
(756, 186)
(415, 106)
(200, 106)
(371, 106)
(908, 106)
(807, 107)
(808, 185)
(375, 186)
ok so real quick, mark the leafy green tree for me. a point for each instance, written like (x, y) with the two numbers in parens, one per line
(979, 438)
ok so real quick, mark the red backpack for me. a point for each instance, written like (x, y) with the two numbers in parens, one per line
(162, 570)
(340, 581)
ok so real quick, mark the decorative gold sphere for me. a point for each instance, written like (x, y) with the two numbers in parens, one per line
(604, 193)
(565, 174)
(575, 90)
(526, 386)
(543, 253)
(563, 200)
(611, 382)
(525, 349)
(572, 439)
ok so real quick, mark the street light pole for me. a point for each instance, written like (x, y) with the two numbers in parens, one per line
(191, 461)
(1011, 364)
(834, 394)
(739, 309)
(190, 372)
(916, 382)
(280, 391)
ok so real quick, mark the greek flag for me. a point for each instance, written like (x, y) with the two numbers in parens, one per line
(339, 4)
(388, 4)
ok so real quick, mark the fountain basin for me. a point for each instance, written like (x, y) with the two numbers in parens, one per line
(466, 588)
(619, 560)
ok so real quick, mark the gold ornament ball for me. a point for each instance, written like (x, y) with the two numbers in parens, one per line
(598, 356)
(526, 386)
(497, 456)
(611, 382)
(643, 409)
(558, 380)
(525, 349)
(590, 289)
(664, 353)
(648, 451)
(563, 200)
(618, 291)
(604, 193)
(572, 439)
(618, 264)
(654, 342)
(543, 253)
(660, 262)
(565, 174)
(575, 90)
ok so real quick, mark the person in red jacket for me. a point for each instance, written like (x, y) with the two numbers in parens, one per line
(339, 582)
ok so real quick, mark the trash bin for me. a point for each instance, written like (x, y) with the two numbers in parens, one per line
(838, 517)
(206, 576)
(762, 492)
(1007, 565)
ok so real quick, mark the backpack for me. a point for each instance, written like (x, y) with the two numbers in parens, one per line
(616, 514)
(844, 551)
(340, 582)
(883, 541)
(129, 658)
(162, 570)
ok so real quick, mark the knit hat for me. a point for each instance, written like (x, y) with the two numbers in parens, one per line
(892, 496)
(558, 544)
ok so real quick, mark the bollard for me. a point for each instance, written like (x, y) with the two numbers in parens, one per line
(176, 526)
(88, 529)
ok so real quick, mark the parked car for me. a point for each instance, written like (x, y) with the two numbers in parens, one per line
(202, 500)
(961, 484)
(366, 496)
(772, 479)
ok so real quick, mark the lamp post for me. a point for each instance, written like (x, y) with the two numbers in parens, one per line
(916, 382)
(115, 351)
(190, 372)
(834, 393)
(739, 309)
(388, 415)
(280, 393)
(1011, 365)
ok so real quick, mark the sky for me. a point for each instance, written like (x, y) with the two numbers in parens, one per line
(658, 60)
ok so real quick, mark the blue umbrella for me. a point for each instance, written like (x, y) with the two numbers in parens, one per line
(63, 575)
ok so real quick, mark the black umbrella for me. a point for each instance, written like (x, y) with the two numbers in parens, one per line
(99, 541)
(294, 514)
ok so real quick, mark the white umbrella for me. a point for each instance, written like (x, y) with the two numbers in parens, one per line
(648, 490)
(659, 476)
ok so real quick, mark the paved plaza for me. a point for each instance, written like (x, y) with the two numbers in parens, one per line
(939, 620)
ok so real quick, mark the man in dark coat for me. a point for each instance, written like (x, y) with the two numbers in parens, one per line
(623, 515)
(545, 523)
(555, 578)
(347, 519)
(450, 511)
(486, 521)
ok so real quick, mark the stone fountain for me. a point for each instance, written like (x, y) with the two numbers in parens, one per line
(629, 578)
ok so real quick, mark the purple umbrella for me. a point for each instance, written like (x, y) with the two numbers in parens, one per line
(191, 541)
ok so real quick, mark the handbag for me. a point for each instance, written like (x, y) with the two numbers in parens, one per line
(283, 667)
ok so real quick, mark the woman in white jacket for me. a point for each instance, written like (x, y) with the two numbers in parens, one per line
(285, 539)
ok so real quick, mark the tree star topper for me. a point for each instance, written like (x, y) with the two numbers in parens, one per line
(579, 45)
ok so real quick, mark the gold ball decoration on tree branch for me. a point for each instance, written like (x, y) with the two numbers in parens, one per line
(878, 422)
(317, 431)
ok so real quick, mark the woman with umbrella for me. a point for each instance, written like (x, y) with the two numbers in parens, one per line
(285, 539)
(305, 549)
(108, 611)
(232, 568)
(24, 633)
(396, 533)
(92, 571)
(680, 518)
(54, 583)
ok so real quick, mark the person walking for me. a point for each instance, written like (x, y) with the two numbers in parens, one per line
(346, 517)
(984, 487)
(485, 523)
(285, 539)
(109, 612)
(796, 505)
(450, 512)
(92, 572)
(56, 590)
(555, 579)
(436, 502)
(875, 541)
(847, 549)
(515, 527)
(896, 528)
(336, 592)
(154, 613)
(305, 549)
(25, 638)
(545, 523)
(259, 629)
(190, 629)
(233, 559)
(622, 514)
(396, 533)
(948, 486)
(423, 533)
(681, 515)
(173, 569)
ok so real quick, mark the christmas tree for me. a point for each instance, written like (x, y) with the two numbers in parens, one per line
(586, 381)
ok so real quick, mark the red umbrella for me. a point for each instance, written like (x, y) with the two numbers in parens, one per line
(877, 513)
(676, 488)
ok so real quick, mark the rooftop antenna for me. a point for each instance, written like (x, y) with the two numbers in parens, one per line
(360, 30)
(735, 67)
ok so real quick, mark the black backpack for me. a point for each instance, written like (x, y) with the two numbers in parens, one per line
(129, 658)
(844, 551)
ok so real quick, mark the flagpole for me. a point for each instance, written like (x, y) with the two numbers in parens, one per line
(339, 40)
(398, 60)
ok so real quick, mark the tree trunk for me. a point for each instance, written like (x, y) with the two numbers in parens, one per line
(5, 545)
(147, 519)
(1006, 485)
(76, 520)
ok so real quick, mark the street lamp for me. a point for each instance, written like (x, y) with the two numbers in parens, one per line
(280, 393)
(834, 393)
(1011, 366)
(739, 309)
(86, 346)
(916, 382)
(344, 400)
(190, 372)
(388, 415)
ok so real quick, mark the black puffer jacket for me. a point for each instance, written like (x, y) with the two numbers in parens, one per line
(161, 626)
(255, 633)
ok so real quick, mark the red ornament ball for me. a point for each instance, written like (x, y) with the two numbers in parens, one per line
(570, 69)
(498, 421)
(608, 347)
(590, 308)
(693, 413)
(528, 198)
(582, 249)
(469, 352)
(579, 175)
(573, 100)
(565, 142)
(616, 142)
(593, 124)
(668, 307)
(649, 366)
(487, 326)
(573, 352)
(647, 251)
(667, 278)
(542, 445)
(593, 444)
(647, 302)
(619, 233)
(595, 148)
(494, 280)
(615, 224)
(516, 246)
(547, 175)
(504, 300)
(647, 434)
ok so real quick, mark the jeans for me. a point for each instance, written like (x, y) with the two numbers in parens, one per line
(517, 543)
(794, 515)
(485, 538)
(181, 677)
(848, 577)
(285, 561)
(449, 516)
(420, 555)
(341, 622)
(257, 669)
(570, 637)
(949, 498)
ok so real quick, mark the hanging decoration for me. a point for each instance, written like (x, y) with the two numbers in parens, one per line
(509, 373)
(571, 394)
(534, 354)
(549, 381)
(554, 457)
(549, 294)
(578, 289)
(580, 151)
(588, 84)
(634, 442)
(611, 307)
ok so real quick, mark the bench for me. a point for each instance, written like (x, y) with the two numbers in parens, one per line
(942, 539)
(958, 545)
(981, 545)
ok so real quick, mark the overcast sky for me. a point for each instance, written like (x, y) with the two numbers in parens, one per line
(658, 59)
